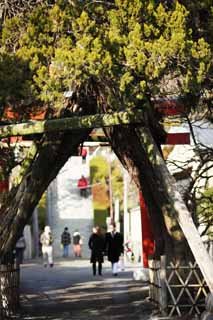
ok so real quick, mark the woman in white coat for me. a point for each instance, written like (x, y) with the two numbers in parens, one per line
(46, 240)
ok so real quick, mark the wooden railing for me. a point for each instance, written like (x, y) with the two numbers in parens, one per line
(177, 289)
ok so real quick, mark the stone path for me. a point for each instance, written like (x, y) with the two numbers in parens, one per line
(70, 291)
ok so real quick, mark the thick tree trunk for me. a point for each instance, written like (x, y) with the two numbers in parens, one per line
(126, 144)
(52, 154)
(175, 207)
(167, 210)
(139, 154)
(62, 139)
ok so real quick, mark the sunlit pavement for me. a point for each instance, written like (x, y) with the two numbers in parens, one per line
(70, 291)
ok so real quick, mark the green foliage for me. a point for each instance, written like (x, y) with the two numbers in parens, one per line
(99, 173)
(14, 80)
(204, 210)
(124, 49)
(100, 216)
(7, 161)
(117, 180)
(42, 220)
(98, 169)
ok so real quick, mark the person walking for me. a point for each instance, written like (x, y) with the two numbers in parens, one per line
(46, 240)
(84, 155)
(65, 242)
(83, 186)
(77, 243)
(19, 249)
(114, 247)
(96, 244)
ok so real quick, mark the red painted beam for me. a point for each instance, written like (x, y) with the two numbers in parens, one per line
(169, 107)
(12, 115)
(178, 138)
(147, 233)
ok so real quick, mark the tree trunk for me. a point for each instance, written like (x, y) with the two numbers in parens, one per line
(139, 154)
(126, 144)
(52, 154)
(44, 161)
(167, 210)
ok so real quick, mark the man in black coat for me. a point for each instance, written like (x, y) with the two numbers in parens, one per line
(114, 247)
(96, 244)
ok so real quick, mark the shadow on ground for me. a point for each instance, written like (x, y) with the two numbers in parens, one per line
(69, 291)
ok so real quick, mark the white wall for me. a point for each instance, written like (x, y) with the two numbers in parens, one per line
(67, 208)
(136, 232)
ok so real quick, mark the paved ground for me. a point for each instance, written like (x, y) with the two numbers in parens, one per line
(70, 291)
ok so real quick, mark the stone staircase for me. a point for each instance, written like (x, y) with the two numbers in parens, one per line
(66, 208)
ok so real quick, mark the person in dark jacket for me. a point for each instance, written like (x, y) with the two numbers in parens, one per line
(96, 244)
(114, 247)
(65, 242)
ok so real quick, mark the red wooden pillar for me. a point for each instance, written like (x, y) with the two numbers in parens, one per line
(147, 233)
(4, 181)
(167, 108)
(4, 186)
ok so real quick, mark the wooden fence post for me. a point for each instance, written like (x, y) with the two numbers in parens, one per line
(208, 314)
(151, 278)
(163, 291)
(9, 289)
(155, 281)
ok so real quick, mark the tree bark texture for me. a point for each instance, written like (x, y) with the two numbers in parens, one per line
(176, 208)
(139, 153)
(52, 154)
(74, 122)
(126, 144)
(167, 210)
(60, 140)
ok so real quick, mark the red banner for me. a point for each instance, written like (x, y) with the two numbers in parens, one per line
(147, 233)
